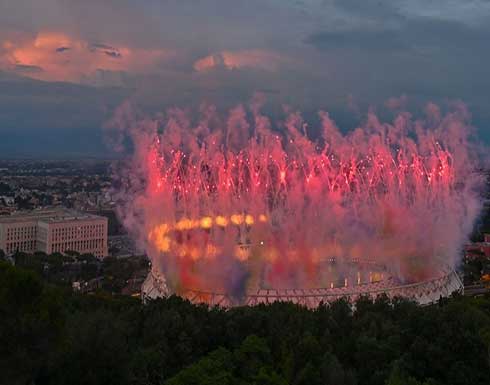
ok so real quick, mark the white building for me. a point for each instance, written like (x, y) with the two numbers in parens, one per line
(56, 230)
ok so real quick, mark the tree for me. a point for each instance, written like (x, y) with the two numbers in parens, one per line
(397, 377)
(96, 350)
(267, 376)
(215, 368)
(31, 323)
(63, 337)
(252, 354)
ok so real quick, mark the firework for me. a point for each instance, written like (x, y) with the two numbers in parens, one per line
(236, 205)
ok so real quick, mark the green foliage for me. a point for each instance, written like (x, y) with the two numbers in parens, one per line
(117, 272)
(397, 377)
(61, 337)
(31, 325)
(248, 364)
(63, 269)
(215, 368)
(96, 350)
(473, 268)
(252, 354)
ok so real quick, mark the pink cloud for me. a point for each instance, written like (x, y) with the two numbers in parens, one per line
(56, 56)
(396, 103)
(258, 59)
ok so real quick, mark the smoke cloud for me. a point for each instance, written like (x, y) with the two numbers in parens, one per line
(232, 202)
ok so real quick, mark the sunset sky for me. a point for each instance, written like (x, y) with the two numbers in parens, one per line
(66, 64)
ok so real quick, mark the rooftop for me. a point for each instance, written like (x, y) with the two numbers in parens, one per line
(48, 216)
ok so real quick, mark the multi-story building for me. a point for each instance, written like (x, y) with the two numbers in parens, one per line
(50, 231)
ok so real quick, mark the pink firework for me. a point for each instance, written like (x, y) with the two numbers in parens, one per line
(232, 205)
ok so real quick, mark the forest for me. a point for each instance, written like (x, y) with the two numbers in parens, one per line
(51, 335)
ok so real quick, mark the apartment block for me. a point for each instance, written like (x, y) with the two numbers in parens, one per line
(56, 230)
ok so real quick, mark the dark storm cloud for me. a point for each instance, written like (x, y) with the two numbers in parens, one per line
(412, 34)
(360, 39)
(373, 8)
(53, 120)
(427, 55)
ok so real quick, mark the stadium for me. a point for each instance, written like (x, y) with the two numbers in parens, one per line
(345, 279)
(231, 215)
(424, 292)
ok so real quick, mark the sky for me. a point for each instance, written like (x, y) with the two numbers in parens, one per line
(65, 65)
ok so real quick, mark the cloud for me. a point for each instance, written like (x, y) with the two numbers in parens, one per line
(28, 69)
(396, 103)
(341, 55)
(360, 39)
(257, 59)
(102, 46)
(114, 54)
(57, 56)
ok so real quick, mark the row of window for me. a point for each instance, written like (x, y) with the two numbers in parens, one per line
(66, 233)
(94, 245)
(80, 246)
(75, 237)
(21, 233)
(25, 246)
(58, 234)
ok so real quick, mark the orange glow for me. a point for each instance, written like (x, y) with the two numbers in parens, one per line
(241, 253)
(194, 253)
(164, 244)
(206, 222)
(182, 224)
(162, 240)
(186, 224)
(211, 251)
(221, 221)
(163, 228)
(258, 59)
(378, 277)
(237, 219)
(159, 238)
(206, 63)
(56, 56)
(249, 220)
(283, 176)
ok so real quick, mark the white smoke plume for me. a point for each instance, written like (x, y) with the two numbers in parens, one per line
(226, 203)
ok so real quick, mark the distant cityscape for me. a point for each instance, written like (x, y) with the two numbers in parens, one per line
(59, 218)
(82, 186)
(78, 196)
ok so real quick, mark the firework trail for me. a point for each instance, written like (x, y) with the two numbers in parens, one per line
(229, 204)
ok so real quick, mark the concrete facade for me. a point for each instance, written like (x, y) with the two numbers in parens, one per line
(50, 231)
